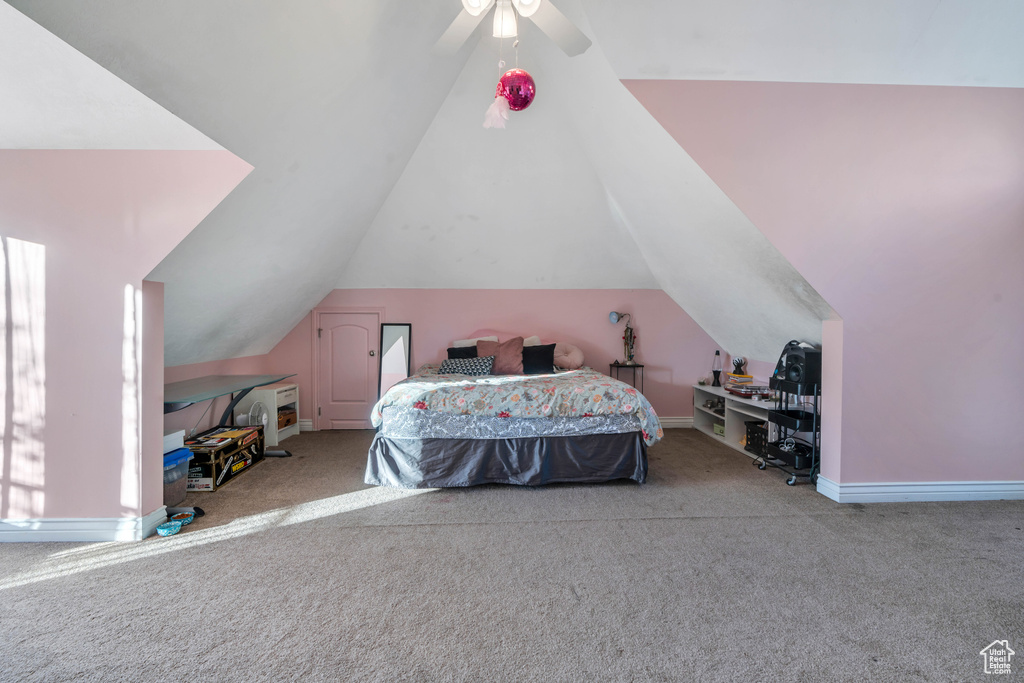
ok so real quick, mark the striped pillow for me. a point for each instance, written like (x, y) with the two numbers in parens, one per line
(466, 366)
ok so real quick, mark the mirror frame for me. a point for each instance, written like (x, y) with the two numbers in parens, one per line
(402, 330)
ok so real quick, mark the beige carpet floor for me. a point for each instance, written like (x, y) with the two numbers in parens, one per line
(711, 571)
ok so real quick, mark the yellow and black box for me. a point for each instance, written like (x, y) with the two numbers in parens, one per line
(222, 453)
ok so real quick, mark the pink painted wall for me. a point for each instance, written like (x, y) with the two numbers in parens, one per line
(832, 397)
(204, 415)
(103, 220)
(152, 394)
(904, 207)
(674, 349)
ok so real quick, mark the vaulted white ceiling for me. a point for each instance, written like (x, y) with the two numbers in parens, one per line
(53, 98)
(372, 169)
(522, 207)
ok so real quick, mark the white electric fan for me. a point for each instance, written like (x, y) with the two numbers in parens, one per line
(258, 415)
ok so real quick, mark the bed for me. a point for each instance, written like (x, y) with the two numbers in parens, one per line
(453, 430)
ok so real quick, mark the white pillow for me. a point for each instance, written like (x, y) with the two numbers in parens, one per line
(531, 341)
(459, 343)
(568, 356)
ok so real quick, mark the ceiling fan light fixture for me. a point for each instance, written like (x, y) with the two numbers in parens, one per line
(477, 7)
(526, 8)
(505, 20)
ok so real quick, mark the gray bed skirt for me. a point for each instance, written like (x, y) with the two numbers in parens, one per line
(530, 461)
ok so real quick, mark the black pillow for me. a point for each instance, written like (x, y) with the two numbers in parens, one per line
(462, 352)
(538, 360)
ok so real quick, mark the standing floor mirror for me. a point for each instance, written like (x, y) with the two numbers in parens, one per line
(395, 355)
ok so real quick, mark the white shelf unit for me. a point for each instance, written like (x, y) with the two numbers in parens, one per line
(274, 397)
(737, 412)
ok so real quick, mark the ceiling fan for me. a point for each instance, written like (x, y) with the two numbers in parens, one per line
(545, 15)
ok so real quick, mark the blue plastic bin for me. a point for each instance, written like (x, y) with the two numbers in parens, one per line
(176, 476)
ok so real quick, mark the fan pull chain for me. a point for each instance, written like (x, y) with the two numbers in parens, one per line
(501, 44)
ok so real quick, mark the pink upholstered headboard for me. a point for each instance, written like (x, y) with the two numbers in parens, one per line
(503, 336)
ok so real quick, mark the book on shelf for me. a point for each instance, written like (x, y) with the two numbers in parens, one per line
(733, 378)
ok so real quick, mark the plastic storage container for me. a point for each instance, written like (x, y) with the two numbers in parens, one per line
(176, 475)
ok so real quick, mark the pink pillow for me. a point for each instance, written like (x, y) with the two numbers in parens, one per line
(567, 356)
(508, 355)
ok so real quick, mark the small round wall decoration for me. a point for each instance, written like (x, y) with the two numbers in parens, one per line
(517, 86)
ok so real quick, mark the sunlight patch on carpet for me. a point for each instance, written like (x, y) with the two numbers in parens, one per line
(98, 556)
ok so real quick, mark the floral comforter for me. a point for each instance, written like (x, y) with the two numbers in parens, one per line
(576, 393)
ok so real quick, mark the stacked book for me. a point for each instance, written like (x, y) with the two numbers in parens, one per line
(732, 379)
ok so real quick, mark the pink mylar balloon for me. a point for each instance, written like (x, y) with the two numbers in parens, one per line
(517, 86)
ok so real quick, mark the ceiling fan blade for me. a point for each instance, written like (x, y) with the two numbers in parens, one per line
(458, 32)
(559, 29)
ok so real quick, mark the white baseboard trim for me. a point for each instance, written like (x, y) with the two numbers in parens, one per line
(306, 425)
(903, 492)
(150, 522)
(676, 422)
(91, 530)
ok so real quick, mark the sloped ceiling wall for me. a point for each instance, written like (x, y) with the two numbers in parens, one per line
(516, 208)
(327, 100)
(584, 189)
(357, 131)
(54, 98)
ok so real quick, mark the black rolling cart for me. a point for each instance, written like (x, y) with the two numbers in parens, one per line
(796, 446)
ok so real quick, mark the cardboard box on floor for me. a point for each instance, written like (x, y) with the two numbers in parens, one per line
(222, 453)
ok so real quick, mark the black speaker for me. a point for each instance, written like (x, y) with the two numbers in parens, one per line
(799, 364)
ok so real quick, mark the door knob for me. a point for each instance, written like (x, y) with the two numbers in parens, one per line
(372, 353)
